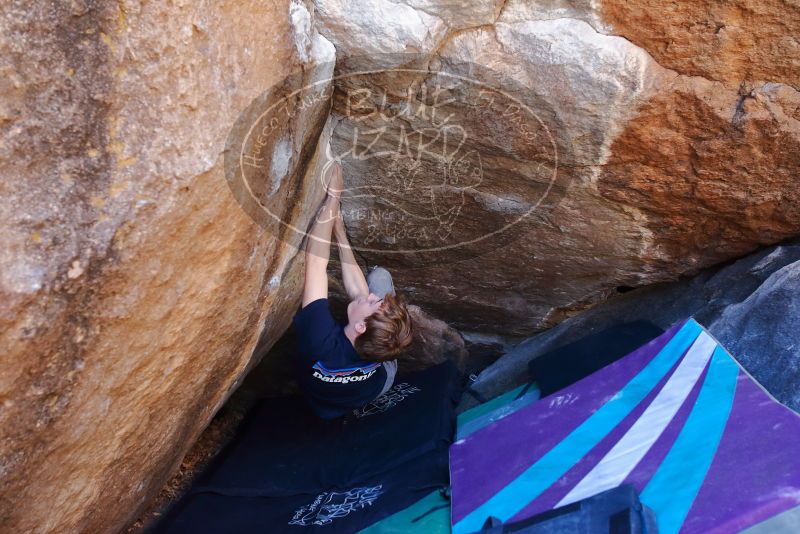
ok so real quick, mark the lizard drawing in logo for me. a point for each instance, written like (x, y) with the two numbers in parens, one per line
(443, 190)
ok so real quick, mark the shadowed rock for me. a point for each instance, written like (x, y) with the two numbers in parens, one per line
(749, 305)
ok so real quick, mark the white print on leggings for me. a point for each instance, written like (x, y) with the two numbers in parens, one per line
(331, 505)
(386, 401)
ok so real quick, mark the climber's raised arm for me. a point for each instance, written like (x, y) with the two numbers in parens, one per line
(318, 244)
(353, 277)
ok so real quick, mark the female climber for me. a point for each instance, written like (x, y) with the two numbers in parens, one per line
(344, 367)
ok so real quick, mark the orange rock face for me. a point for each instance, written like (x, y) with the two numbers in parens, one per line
(714, 170)
(729, 42)
(133, 288)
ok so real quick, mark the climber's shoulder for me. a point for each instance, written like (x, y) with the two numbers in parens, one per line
(315, 315)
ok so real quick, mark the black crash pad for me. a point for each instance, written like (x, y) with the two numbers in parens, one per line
(566, 365)
(284, 457)
(342, 510)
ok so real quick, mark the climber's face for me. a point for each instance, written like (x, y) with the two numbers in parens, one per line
(361, 308)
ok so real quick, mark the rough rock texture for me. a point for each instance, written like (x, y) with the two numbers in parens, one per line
(725, 41)
(750, 305)
(673, 132)
(133, 288)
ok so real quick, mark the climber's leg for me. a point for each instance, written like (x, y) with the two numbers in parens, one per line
(391, 371)
(380, 283)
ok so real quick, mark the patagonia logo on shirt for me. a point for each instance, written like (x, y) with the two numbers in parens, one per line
(344, 376)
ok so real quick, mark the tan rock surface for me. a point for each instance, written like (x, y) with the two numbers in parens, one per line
(134, 288)
(660, 172)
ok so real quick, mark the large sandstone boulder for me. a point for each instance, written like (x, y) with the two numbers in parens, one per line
(656, 142)
(133, 288)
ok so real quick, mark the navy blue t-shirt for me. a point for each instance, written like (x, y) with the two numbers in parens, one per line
(330, 372)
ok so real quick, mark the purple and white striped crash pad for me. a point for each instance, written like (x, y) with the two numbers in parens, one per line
(707, 448)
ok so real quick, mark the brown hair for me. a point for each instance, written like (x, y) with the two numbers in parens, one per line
(389, 331)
